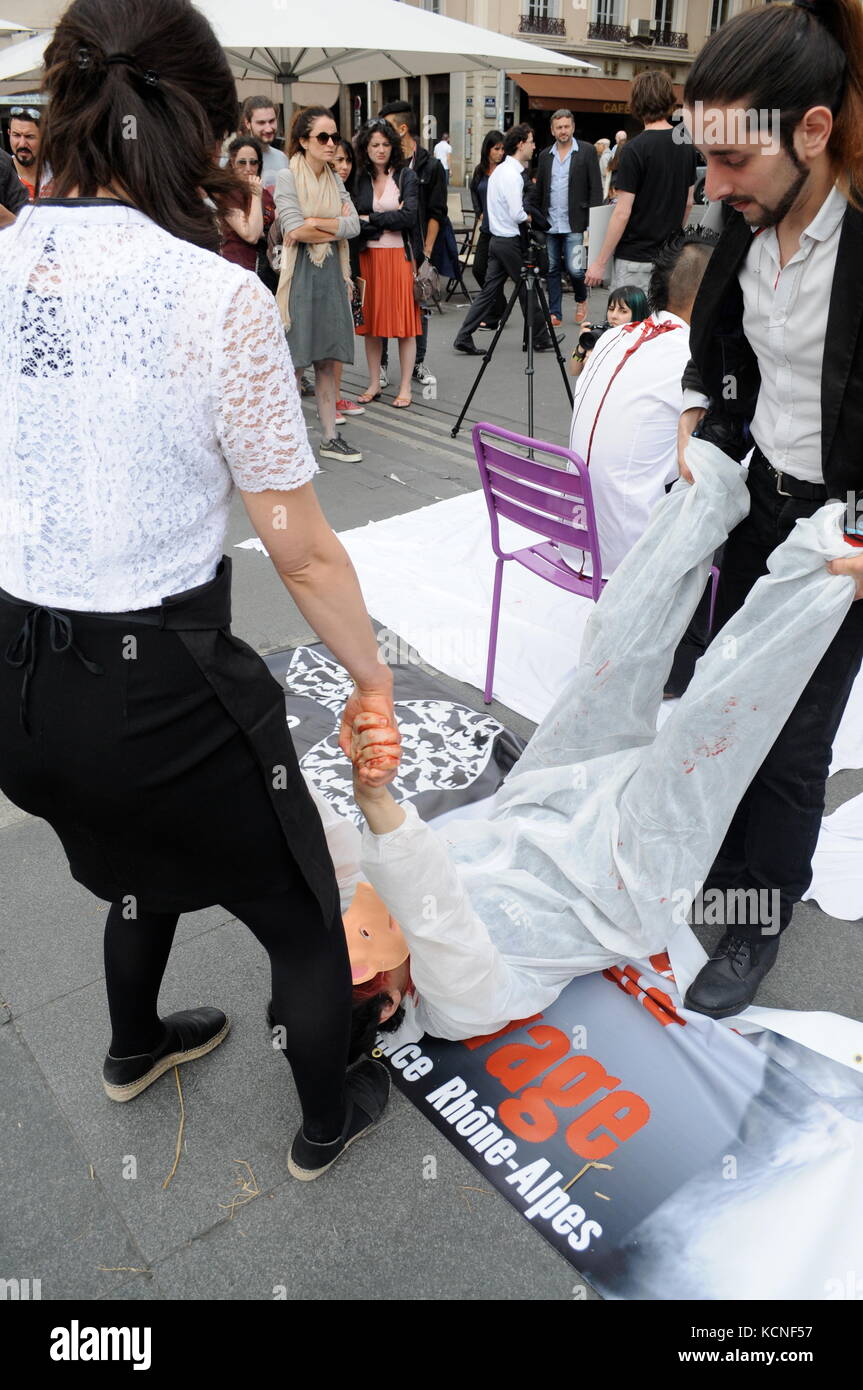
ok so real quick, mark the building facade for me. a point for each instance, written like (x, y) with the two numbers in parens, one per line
(619, 37)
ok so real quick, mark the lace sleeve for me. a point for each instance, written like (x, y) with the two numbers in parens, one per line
(259, 422)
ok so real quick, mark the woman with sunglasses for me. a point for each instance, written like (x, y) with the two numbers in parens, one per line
(245, 228)
(315, 289)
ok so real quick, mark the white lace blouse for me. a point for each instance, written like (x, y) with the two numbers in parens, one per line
(141, 379)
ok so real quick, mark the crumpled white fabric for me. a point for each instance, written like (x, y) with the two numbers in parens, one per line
(602, 833)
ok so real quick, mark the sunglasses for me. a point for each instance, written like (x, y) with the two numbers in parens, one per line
(29, 111)
(324, 139)
(251, 163)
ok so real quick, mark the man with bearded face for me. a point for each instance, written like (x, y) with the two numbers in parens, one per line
(24, 144)
(777, 368)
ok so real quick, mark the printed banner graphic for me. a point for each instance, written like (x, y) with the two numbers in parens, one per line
(664, 1155)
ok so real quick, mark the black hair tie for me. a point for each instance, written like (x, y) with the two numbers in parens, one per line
(149, 76)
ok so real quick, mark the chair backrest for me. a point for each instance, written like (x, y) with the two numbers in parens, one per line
(551, 501)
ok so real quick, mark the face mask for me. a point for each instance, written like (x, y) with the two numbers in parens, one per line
(375, 940)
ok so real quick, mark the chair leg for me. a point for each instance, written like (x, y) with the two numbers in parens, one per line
(492, 636)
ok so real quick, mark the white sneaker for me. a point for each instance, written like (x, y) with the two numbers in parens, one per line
(423, 375)
(385, 381)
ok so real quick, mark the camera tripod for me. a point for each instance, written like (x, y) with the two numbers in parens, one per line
(534, 293)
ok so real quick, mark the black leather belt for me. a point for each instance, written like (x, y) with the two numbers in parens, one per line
(788, 486)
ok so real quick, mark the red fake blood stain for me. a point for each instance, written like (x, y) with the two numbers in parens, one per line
(706, 750)
(689, 765)
(730, 705)
(755, 707)
(599, 670)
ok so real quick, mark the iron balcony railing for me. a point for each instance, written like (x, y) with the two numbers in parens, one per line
(541, 24)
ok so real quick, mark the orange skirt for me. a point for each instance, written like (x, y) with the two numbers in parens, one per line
(389, 310)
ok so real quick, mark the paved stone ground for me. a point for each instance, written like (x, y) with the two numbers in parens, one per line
(75, 1217)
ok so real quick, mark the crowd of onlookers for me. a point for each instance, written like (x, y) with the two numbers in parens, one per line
(343, 232)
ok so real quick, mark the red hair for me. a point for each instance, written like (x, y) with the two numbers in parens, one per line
(378, 985)
(369, 988)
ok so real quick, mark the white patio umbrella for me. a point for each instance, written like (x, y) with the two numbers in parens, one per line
(343, 41)
(23, 59)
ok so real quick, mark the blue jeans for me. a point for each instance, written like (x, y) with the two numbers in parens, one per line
(568, 247)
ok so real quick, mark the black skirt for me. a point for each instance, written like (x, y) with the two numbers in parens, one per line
(155, 744)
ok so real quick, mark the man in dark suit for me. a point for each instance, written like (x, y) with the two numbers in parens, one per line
(568, 185)
(776, 349)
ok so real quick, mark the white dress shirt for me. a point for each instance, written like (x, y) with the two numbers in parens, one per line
(785, 320)
(442, 152)
(634, 451)
(505, 198)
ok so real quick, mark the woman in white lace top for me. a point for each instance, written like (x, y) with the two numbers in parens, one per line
(145, 378)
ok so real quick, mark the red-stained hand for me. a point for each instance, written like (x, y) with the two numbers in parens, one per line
(375, 749)
(374, 709)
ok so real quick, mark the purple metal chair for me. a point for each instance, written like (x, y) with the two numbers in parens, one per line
(546, 499)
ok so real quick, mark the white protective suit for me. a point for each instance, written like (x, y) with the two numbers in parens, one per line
(604, 821)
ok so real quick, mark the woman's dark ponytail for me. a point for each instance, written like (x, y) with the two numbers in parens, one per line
(140, 94)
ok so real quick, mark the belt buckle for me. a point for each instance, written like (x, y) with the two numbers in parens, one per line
(779, 488)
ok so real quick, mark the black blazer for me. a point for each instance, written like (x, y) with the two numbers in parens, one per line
(405, 220)
(585, 184)
(724, 367)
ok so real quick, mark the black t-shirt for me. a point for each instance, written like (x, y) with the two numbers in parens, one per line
(13, 194)
(660, 171)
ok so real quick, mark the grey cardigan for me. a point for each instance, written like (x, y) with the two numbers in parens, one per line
(291, 215)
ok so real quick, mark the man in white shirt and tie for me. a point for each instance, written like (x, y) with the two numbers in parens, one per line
(506, 218)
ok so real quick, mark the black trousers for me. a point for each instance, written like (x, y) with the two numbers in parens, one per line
(772, 837)
(504, 262)
(480, 273)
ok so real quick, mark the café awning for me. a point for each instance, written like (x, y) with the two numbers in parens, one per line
(606, 95)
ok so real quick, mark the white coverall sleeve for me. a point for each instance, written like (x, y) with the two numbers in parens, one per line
(461, 977)
(344, 843)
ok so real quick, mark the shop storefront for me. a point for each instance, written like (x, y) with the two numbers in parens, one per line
(600, 104)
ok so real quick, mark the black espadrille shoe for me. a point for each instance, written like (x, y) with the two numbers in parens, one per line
(368, 1090)
(189, 1034)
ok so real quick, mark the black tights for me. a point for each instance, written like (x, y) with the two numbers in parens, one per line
(311, 991)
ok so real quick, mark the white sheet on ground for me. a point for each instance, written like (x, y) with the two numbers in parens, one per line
(441, 605)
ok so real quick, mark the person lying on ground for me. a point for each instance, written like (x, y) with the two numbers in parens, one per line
(603, 821)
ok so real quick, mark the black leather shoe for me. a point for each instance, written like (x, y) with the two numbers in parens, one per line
(727, 984)
(467, 346)
(368, 1090)
(189, 1034)
(548, 345)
